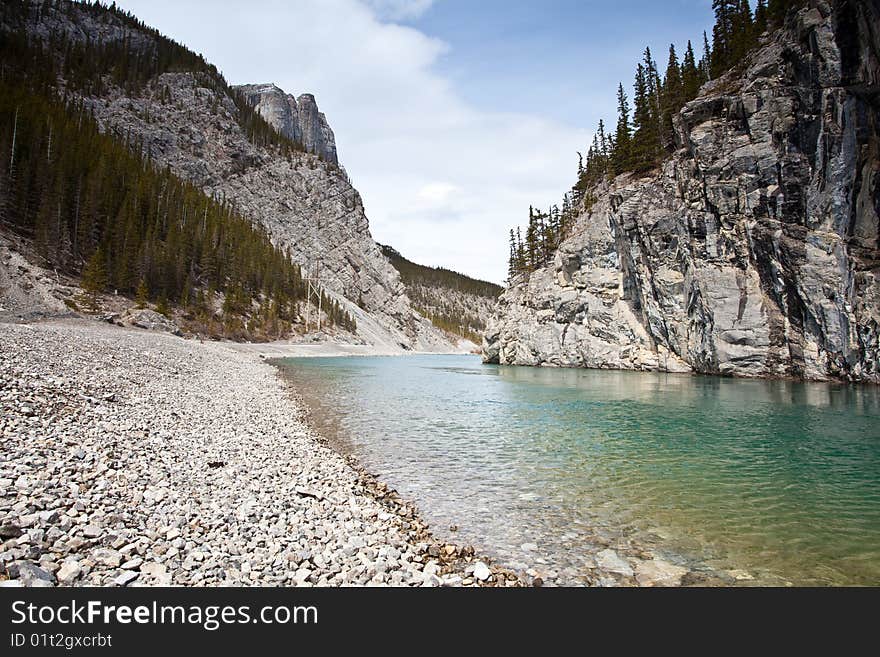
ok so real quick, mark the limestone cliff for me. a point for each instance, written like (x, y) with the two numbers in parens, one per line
(753, 250)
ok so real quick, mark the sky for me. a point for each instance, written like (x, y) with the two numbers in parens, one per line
(451, 116)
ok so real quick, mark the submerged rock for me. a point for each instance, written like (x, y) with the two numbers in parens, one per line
(659, 573)
(612, 562)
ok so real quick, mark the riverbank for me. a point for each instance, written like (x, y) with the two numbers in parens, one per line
(138, 458)
(327, 349)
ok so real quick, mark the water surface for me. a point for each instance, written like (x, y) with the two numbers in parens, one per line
(543, 467)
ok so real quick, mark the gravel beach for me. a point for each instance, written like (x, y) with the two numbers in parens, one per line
(132, 458)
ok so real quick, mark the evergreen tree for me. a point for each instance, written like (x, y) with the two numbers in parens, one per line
(645, 140)
(706, 61)
(520, 252)
(726, 12)
(653, 89)
(622, 157)
(532, 241)
(512, 266)
(691, 79)
(142, 295)
(673, 98)
(603, 145)
(94, 277)
(743, 37)
(162, 306)
(777, 10)
(761, 17)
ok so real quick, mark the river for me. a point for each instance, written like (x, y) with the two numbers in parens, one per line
(765, 482)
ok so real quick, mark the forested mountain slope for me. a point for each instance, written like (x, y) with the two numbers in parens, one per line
(453, 302)
(746, 246)
(91, 205)
(176, 111)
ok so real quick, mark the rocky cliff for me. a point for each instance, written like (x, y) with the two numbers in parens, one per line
(189, 121)
(296, 118)
(753, 250)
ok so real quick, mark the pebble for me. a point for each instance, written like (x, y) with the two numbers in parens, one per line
(125, 578)
(69, 571)
(10, 531)
(481, 571)
(91, 531)
(107, 557)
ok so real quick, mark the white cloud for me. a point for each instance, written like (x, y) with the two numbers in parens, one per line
(441, 180)
(436, 193)
(397, 10)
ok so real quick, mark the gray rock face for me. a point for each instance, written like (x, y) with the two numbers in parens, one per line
(753, 251)
(296, 118)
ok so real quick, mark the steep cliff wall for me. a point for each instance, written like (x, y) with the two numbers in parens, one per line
(753, 251)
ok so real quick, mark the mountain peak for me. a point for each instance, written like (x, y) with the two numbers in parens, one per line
(295, 117)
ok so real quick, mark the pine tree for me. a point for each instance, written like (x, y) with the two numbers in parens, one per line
(652, 88)
(690, 75)
(94, 277)
(603, 145)
(532, 241)
(706, 61)
(622, 157)
(761, 17)
(673, 98)
(162, 306)
(143, 294)
(645, 140)
(520, 252)
(512, 269)
(777, 10)
(726, 12)
(743, 36)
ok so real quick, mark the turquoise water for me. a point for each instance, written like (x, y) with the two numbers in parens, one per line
(543, 467)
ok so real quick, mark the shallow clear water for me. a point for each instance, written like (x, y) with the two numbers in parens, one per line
(542, 467)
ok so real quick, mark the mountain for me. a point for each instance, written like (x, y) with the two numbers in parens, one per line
(179, 113)
(753, 249)
(456, 303)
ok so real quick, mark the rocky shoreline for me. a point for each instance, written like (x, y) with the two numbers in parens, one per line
(131, 458)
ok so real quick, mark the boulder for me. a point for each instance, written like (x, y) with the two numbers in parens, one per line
(151, 321)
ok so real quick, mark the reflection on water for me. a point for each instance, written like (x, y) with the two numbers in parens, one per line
(545, 466)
